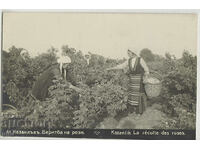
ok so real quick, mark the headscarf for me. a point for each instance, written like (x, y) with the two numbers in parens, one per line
(24, 51)
(134, 53)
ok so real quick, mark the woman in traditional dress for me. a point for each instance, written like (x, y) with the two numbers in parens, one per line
(138, 71)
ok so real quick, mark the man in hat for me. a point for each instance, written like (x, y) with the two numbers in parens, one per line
(137, 71)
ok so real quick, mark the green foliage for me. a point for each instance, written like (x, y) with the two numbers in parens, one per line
(179, 90)
(58, 107)
(44, 60)
(105, 99)
(104, 93)
(20, 74)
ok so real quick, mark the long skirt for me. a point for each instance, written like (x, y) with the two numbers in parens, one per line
(137, 97)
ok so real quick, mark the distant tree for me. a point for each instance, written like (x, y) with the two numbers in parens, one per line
(147, 55)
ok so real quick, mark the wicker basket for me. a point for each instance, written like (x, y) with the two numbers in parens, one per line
(153, 90)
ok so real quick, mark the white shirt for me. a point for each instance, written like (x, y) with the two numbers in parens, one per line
(64, 60)
(88, 61)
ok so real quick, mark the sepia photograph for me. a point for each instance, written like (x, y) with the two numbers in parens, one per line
(105, 75)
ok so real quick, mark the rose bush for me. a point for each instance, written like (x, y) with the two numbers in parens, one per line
(104, 92)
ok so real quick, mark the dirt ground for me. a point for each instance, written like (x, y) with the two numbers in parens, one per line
(150, 119)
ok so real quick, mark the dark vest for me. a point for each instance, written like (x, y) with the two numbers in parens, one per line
(137, 68)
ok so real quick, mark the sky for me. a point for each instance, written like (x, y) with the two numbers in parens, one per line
(107, 34)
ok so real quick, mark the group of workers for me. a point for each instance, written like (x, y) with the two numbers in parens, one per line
(135, 67)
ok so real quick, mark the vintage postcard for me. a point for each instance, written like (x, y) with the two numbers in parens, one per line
(108, 75)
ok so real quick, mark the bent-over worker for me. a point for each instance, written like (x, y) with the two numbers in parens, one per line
(40, 88)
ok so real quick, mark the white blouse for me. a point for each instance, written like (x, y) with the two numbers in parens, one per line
(64, 60)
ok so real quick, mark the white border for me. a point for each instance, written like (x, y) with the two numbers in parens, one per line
(0, 65)
(168, 11)
(198, 81)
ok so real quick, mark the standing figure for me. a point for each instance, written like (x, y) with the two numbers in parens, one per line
(63, 62)
(66, 68)
(138, 71)
(88, 57)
